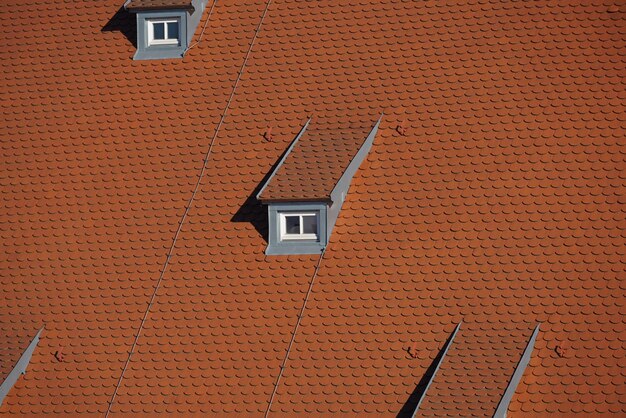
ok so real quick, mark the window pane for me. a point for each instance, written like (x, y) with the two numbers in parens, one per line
(292, 224)
(158, 30)
(309, 224)
(172, 30)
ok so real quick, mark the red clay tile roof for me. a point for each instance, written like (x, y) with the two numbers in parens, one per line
(13, 342)
(158, 4)
(317, 161)
(503, 201)
(476, 370)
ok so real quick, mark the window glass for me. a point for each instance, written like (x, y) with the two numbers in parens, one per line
(172, 30)
(309, 224)
(292, 224)
(158, 30)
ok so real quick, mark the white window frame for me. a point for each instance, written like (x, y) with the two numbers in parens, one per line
(284, 236)
(166, 41)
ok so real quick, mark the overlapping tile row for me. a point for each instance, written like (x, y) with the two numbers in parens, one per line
(12, 346)
(158, 4)
(318, 159)
(225, 312)
(499, 201)
(99, 155)
(476, 370)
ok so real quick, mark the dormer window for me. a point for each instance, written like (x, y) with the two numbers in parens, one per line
(165, 27)
(299, 226)
(305, 192)
(163, 31)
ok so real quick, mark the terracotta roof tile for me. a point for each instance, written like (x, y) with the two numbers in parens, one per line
(317, 161)
(13, 342)
(158, 4)
(500, 201)
(476, 370)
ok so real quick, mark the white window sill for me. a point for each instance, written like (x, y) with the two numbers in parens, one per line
(299, 237)
(155, 43)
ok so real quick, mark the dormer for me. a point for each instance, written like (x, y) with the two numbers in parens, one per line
(306, 190)
(165, 27)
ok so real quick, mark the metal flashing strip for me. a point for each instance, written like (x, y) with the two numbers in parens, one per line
(503, 406)
(443, 356)
(282, 160)
(360, 156)
(20, 367)
(293, 334)
(172, 247)
(203, 28)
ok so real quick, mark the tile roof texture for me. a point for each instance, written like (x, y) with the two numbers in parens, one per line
(476, 370)
(158, 4)
(12, 346)
(502, 203)
(318, 159)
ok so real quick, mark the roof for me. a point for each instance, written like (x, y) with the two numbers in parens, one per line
(136, 5)
(12, 346)
(318, 159)
(476, 370)
(502, 203)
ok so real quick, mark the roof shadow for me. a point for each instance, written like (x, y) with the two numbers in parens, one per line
(408, 409)
(124, 22)
(252, 210)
